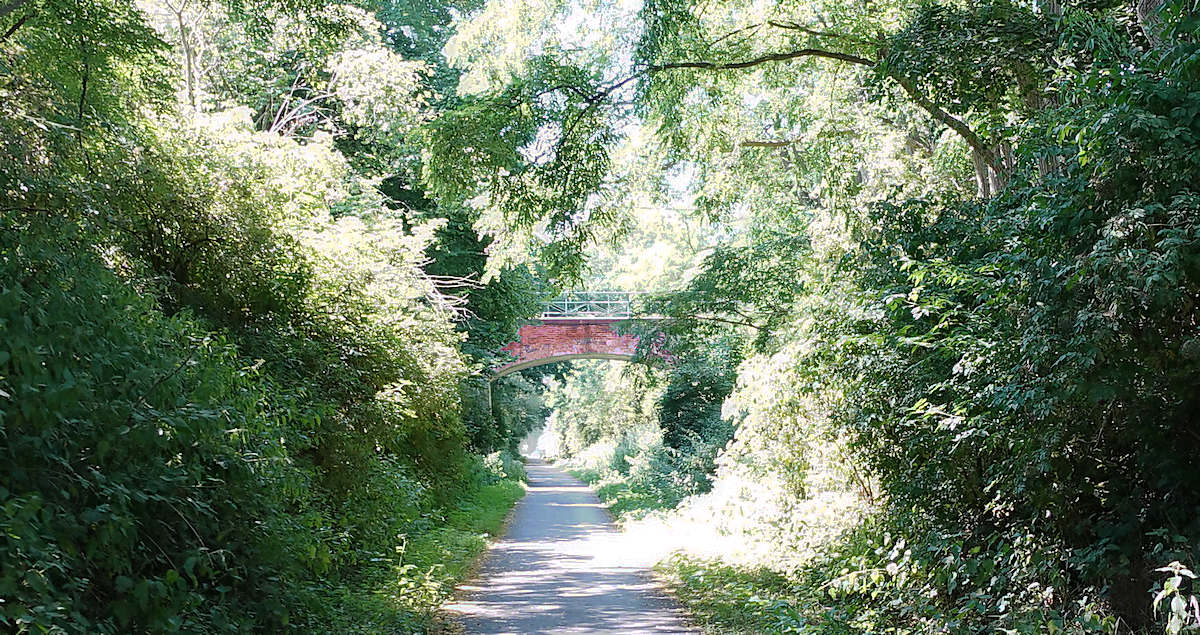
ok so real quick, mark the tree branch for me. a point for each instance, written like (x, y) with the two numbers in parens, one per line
(765, 59)
(768, 144)
(976, 143)
(575, 89)
(298, 111)
(16, 25)
(937, 112)
(284, 103)
(754, 27)
(792, 26)
(957, 125)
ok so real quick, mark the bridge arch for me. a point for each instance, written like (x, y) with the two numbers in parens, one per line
(546, 342)
(576, 325)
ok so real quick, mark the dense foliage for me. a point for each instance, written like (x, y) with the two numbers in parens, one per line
(957, 283)
(924, 346)
(230, 378)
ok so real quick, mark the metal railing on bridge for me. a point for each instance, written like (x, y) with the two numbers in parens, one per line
(591, 304)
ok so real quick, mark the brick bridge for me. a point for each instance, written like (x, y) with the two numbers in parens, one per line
(576, 325)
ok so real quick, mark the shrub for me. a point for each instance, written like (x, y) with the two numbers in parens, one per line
(146, 476)
(504, 465)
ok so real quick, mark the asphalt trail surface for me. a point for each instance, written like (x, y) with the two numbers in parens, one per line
(563, 568)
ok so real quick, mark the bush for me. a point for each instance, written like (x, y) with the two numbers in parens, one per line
(147, 478)
(504, 465)
(206, 439)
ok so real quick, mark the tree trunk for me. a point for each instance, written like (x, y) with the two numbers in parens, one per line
(983, 181)
(1150, 21)
(1051, 8)
(186, 44)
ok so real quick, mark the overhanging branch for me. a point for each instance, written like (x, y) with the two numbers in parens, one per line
(792, 26)
(925, 103)
(767, 144)
(952, 122)
(758, 61)
(980, 149)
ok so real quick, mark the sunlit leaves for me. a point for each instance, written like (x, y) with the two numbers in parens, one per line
(533, 155)
(380, 92)
(993, 57)
(747, 289)
(222, 342)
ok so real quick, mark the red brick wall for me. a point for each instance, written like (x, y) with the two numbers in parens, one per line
(568, 337)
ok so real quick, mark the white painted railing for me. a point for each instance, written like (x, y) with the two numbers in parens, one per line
(591, 304)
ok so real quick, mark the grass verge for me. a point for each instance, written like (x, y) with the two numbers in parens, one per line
(622, 498)
(405, 597)
(726, 599)
(452, 548)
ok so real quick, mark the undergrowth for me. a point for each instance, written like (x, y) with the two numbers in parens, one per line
(728, 599)
(403, 595)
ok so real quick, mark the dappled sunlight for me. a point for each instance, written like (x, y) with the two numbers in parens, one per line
(855, 317)
(747, 523)
(778, 494)
(564, 566)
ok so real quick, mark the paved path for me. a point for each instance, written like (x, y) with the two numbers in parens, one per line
(562, 568)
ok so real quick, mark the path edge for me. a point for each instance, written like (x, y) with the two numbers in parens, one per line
(444, 621)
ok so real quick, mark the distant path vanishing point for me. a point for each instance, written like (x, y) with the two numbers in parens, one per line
(563, 568)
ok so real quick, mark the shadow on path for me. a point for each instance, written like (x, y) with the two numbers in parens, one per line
(563, 568)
